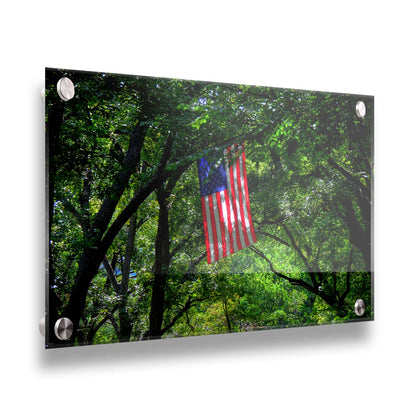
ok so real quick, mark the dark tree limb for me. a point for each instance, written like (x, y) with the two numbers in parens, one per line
(330, 300)
(160, 266)
(296, 247)
(111, 275)
(194, 263)
(95, 328)
(348, 283)
(75, 213)
(359, 236)
(301, 255)
(189, 303)
(179, 246)
(350, 177)
(130, 163)
(93, 255)
(297, 282)
(315, 263)
(274, 237)
(114, 322)
(128, 254)
(84, 199)
(161, 175)
(126, 324)
(227, 316)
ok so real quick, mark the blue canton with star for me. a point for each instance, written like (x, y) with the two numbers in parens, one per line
(212, 175)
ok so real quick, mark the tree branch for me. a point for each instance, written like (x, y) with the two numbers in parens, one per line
(114, 322)
(94, 329)
(350, 177)
(130, 163)
(162, 173)
(330, 300)
(274, 237)
(111, 275)
(302, 256)
(128, 255)
(315, 263)
(179, 246)
(84, 198)
(189, 303)
(72, 210)
(194, 262)
(298, 282)
(348, 283)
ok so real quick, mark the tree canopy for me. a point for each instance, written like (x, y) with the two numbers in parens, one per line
(126, 254)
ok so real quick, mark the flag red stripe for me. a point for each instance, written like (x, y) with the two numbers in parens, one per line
(234, 206)
(224, 245)
(240, 197)
(204, 216)
(247, 198)
(230, 226)
(214, 229)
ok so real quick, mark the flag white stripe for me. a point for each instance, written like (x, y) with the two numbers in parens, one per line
(217, 226)
(225, 216)
(230, 204)
(243, 190)
(237, 201)
(209, 226)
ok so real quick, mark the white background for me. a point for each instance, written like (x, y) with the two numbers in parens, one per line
(356, 47)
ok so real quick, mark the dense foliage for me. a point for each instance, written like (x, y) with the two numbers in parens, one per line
(127, 255)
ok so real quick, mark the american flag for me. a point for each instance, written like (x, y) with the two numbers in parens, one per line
(225, 204)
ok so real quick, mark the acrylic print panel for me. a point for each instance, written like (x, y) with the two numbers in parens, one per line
(180, 208)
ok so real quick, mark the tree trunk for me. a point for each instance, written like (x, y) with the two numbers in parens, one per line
(359, 237)
(227, 317)
(161, 265)
(126, 324)
(94, 254)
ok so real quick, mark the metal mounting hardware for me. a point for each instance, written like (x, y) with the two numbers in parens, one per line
(359, 307)
(42, 326)
(360, 109)
(63, 328)
(65, 88)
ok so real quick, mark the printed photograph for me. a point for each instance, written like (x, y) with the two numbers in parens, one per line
(181, 208)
